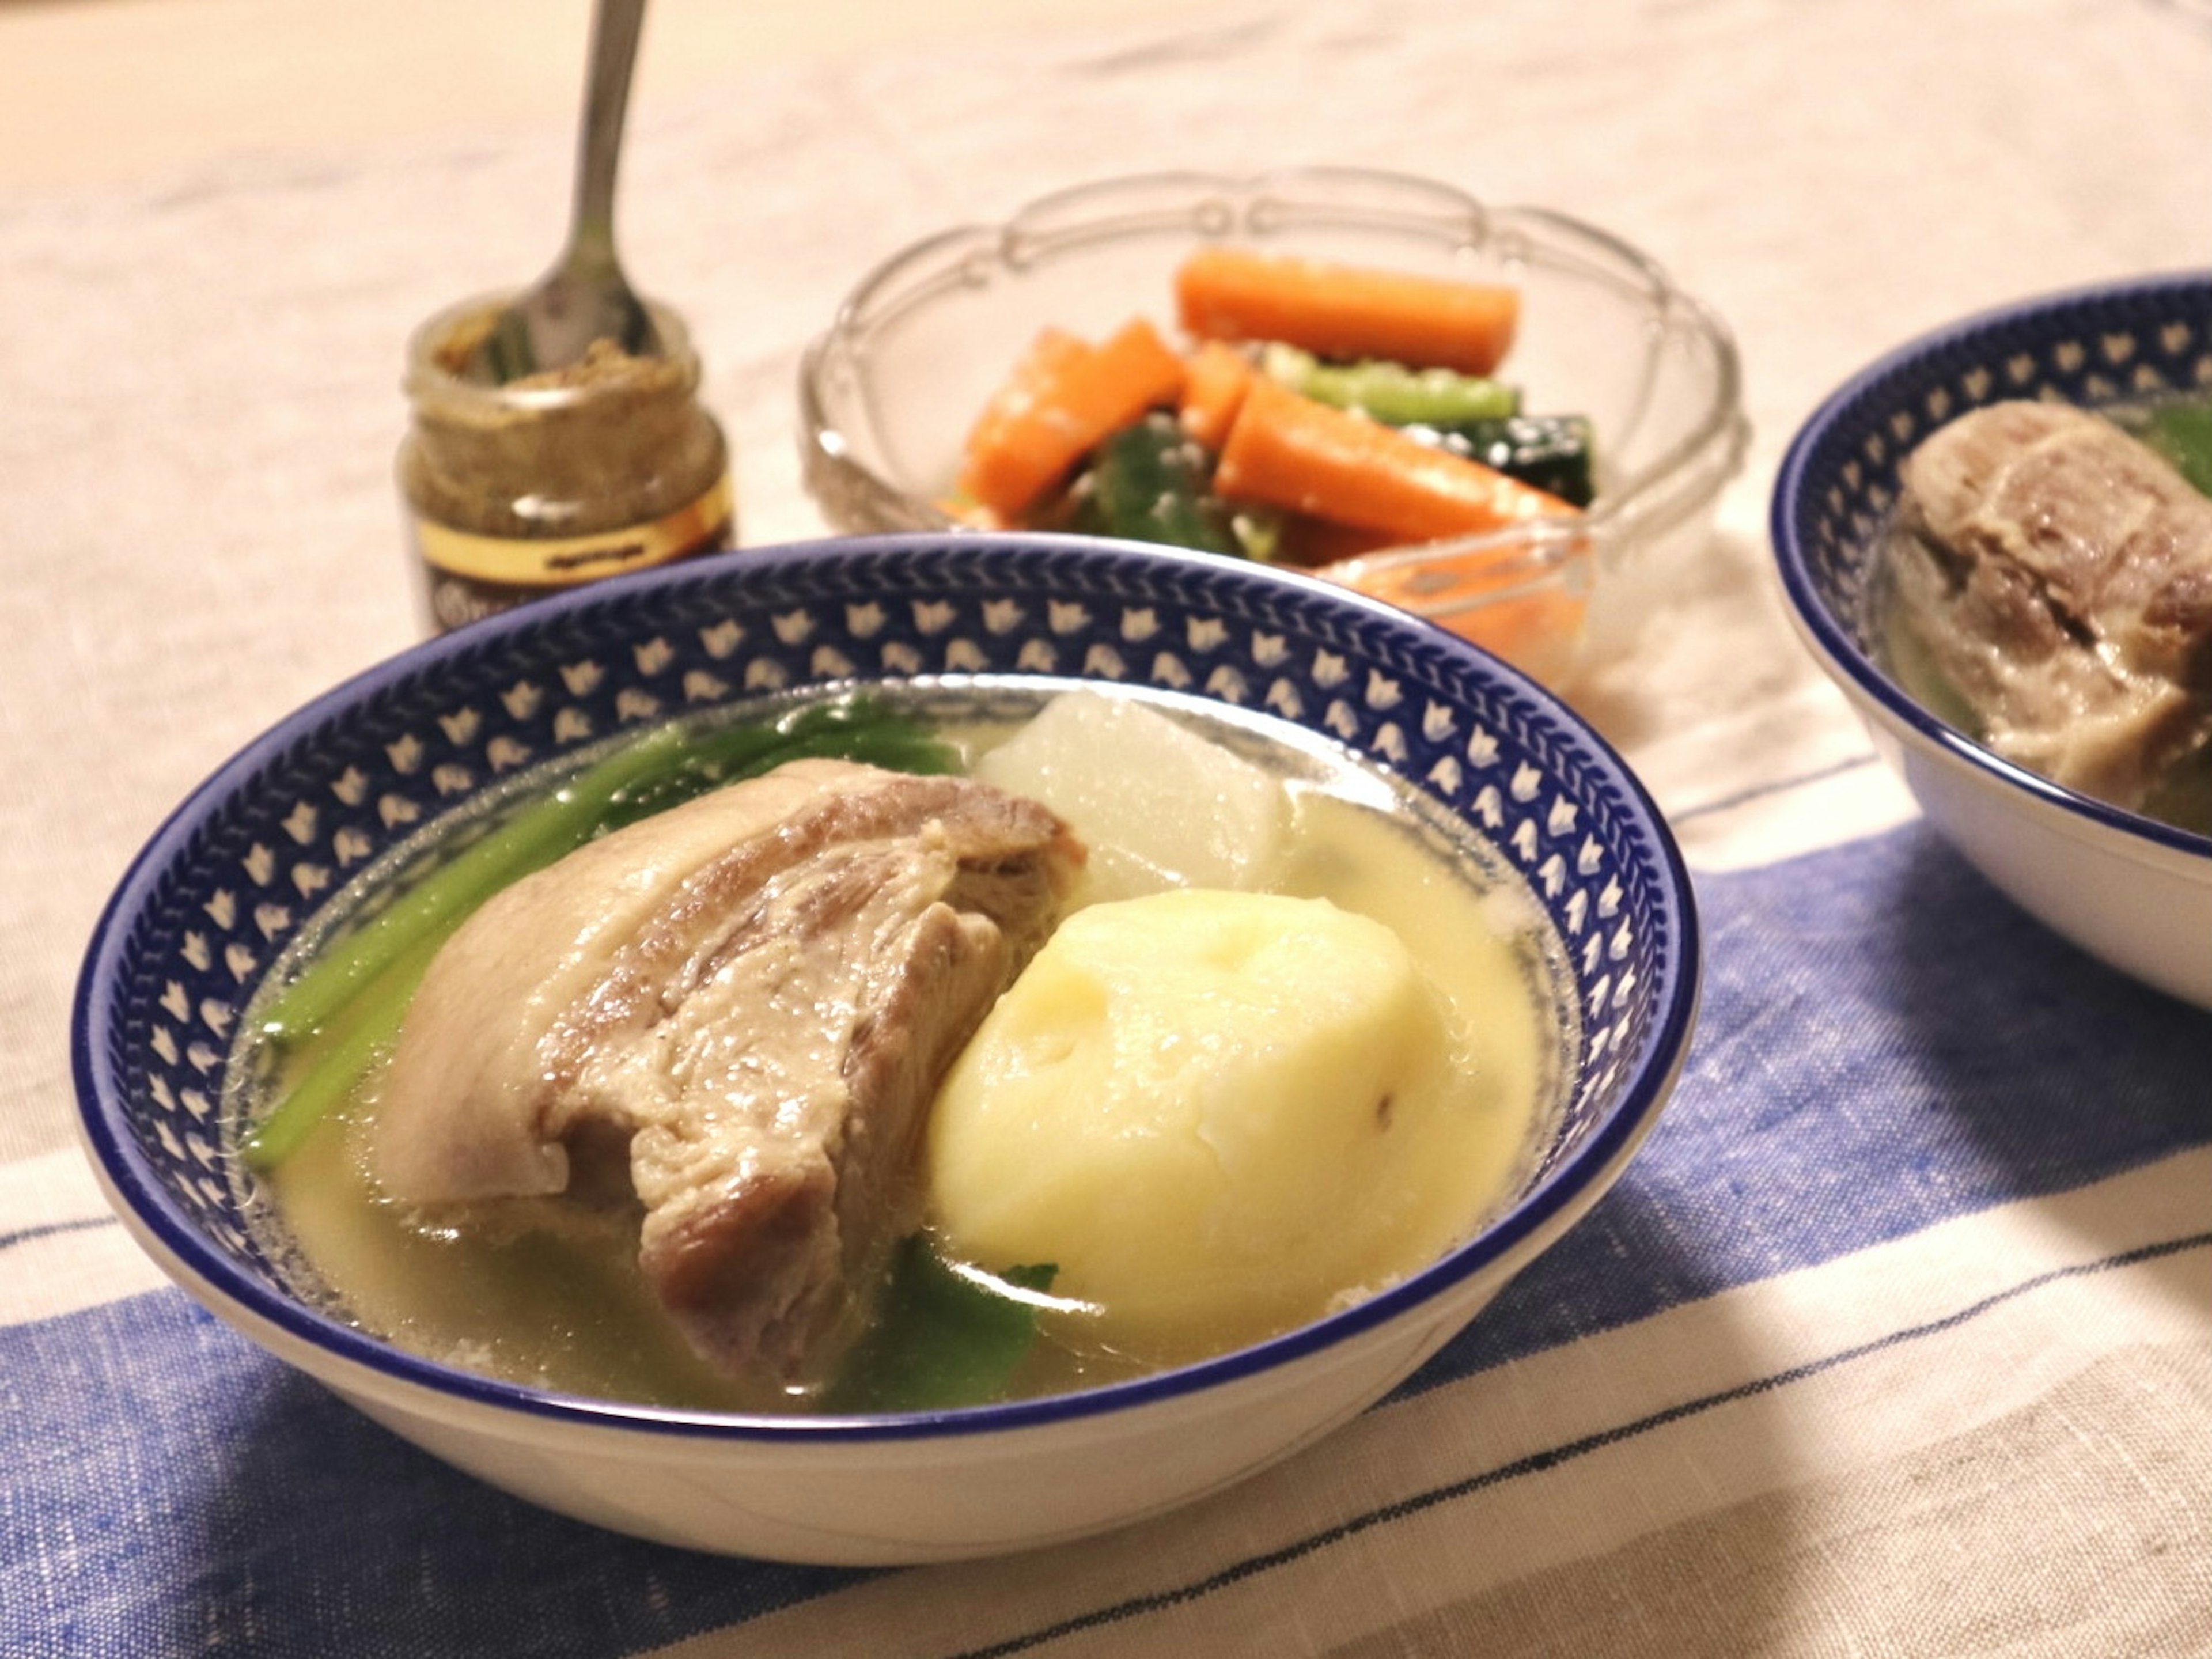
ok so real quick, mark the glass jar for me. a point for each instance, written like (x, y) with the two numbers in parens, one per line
(519, 490)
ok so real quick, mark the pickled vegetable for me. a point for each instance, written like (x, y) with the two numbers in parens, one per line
(1152, 482)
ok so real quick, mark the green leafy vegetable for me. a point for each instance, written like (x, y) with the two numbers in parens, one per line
(852, 728)
(1151, 482)
(2182, 432)
(942, 1338)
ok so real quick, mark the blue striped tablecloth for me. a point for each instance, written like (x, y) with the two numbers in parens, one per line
(1932, 1199)
(1896, 1339)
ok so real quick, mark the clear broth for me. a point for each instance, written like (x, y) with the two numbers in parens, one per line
(548, 1293)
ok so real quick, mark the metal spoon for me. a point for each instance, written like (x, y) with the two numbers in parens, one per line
(584, 297)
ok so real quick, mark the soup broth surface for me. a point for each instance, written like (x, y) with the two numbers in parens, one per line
(548, 1293)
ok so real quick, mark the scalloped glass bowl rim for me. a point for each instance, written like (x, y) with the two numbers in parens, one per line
(1645, 504)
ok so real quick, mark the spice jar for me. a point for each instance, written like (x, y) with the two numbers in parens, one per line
(518, 491)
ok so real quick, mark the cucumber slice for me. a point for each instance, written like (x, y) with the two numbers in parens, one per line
(1553, 452)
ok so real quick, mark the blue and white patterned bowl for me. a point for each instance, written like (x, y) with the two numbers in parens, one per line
(247, 861)
(2135, 892)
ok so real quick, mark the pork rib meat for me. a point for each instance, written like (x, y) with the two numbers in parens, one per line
(2057, 573)
(756, 994)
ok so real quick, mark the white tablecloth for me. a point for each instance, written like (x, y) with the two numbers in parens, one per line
(1897, 1339)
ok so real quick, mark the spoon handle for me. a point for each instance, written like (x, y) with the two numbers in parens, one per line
(614, 30)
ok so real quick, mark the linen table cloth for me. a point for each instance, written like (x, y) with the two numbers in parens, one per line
(1896, 1339)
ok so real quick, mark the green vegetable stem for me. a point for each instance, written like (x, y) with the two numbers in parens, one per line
(444, 898)
(354, 1039)
(1392, 392)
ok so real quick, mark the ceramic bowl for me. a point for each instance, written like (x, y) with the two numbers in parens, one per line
(888, 393)
(2132, 891)
(250, 858)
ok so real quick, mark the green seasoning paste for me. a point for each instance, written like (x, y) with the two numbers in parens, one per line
(517, 490)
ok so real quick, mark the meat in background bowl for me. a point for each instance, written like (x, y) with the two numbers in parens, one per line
(252, 857)
(2132, 889)
(888, 392)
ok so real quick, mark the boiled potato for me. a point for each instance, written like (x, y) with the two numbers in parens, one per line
(1159, 805)
(1215, 1113)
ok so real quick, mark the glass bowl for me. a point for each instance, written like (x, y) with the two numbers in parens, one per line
(888, 392)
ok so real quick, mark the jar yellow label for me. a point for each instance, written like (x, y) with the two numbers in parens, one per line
(562, 562)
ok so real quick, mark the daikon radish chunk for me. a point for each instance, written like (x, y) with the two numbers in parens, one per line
(1159, 805)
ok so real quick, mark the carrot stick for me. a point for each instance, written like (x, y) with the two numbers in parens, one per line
(1213, 388)
(1532, 618)
(1306, 541)
(1346, 310)
(1064, 396)
(1525, 605)
(974, 514)
(998, 453)
(1291, 451)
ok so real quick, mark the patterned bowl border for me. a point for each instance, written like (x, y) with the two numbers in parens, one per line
(1838, 486)
(250, 857)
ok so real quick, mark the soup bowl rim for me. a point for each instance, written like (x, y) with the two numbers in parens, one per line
(167, 1227)
(1839, 645)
